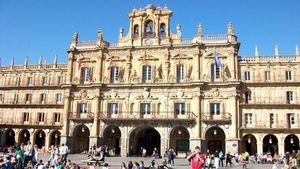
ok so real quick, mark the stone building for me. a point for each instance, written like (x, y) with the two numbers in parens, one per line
(154, 89)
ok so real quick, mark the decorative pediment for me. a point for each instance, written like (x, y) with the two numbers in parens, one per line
(115, 58)
(181, 57)
(147, 57)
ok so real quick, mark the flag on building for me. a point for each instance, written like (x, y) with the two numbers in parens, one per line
(217, 60)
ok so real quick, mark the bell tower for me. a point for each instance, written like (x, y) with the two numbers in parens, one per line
(148, 26)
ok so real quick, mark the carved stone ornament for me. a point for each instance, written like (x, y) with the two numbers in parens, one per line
(114, 94)
(83, 94)
(180, 93)
(146, 94)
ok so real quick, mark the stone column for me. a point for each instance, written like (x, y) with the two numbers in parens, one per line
(65, 119)
(259, 146)
(280, 146)
(95, 127)
(70, 69)
(195, 137)
(196, 64)
(47, 141)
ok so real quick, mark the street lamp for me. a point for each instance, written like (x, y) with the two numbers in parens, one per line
(25, 134)
(113, 131)
(270, 140)
(179, 132)
(83, 130)
(249, 140)
(215, 132)
(292, 140)
(40, 135)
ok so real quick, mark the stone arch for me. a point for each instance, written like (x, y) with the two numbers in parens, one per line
(162, 30)
(10, 137)
(136, 30)
(291, 143)
(270, 144)
(54, 138)
(81, 138)
(144, 136)
(149, 28)
(24, 136)
(39, 138)
(249, 144)
(179, 139)
(112, 138)
(215, 139)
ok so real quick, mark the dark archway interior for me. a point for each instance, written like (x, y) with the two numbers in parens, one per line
(55, 138)
(24, 137)
(112, 136)
(40, 139)
(147, 138)
(179, 139)
(249, 144)
(81, 139)
(270, 144)
(291, 143)
(215, 138)
(10, 137)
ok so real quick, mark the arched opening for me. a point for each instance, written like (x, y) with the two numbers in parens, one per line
(81, 138)
(55, 138)
(249, 144)
(40, 138)
(147, 138)
(149, 27)
(112, 138)
(162, 30)
(179, 140)
(24, 136)
(10, 137)
(291, 143)
(136, 31)
(215, 138)
(270, 144)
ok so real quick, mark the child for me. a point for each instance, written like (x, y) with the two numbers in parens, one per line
(244, 162)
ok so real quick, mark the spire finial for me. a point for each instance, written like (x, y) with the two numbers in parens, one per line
(276, 50)
(12, 63)
(297, 50)
(256, 51)
(26, 60)
(199, 30)
(41, 60)
(55, 59)
(230, 29)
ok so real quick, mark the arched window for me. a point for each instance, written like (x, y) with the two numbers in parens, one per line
(136, 31)
(149, 28)
(162, 30)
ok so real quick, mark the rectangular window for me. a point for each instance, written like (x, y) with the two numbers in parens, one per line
(145, 108)
(288, 75)
(16, 98)
(267, 75)
(86, 74)
(289, 97)
(179, 108)
(26, 117)
(247, 75)
(271, 119)
(248, 118)
(83, 108)
(291, 119)
(58, 97)
(45, 81)
(29, 81)
(180, 72)
(41, 117)
(146, 73)
(114, 74)
(42, 98)
(1, 97)
(214, 108)
(247, 96)
(28, 98)
(56, 117)
(60, 80)
(113, 108)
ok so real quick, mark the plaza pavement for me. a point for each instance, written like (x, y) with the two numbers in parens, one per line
(115, 162)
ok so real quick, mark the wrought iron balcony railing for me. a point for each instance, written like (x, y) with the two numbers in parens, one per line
(214, 118)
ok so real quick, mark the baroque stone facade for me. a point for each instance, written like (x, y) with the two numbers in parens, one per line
(154, 89)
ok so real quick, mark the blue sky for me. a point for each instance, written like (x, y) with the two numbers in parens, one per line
(45, 27)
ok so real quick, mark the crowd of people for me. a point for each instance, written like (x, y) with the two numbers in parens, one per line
(218, 159)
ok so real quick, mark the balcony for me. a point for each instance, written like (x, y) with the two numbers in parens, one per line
(88, 116)
(221, 118)
(29, 104)
(31, 122)
(157, 116)
(266, 59)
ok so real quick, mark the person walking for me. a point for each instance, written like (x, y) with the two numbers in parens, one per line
(216, 160)
(298, 158)
(197, 159)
